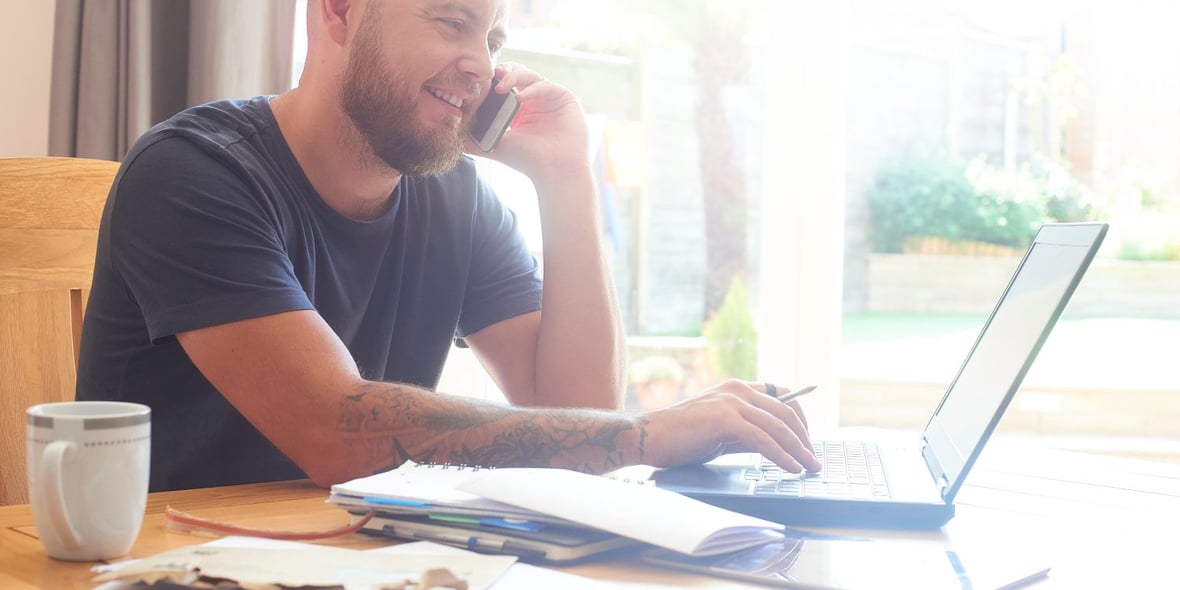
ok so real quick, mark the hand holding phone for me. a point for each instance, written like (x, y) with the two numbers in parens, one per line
(493, 116)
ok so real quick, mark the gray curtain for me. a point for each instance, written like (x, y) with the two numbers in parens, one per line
(121, 66)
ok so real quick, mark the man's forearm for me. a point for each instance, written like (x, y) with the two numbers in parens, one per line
(381, 425)
(581, 350)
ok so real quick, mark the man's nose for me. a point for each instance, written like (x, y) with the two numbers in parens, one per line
(479, 65)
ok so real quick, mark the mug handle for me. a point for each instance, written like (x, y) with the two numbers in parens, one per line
(52, 491)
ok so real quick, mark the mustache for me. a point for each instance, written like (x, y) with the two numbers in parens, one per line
(458, 82)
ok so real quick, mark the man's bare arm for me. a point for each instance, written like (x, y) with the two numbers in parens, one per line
(581, 342)
(392, 423)
(293, 379)
(575, 345)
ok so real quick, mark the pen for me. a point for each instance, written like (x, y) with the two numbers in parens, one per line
(786, 397)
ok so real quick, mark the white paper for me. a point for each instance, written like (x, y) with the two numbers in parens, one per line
(520, 575)
(414, 486)
(647, 513)
(271, 560)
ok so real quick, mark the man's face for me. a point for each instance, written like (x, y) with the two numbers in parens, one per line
(415, 70)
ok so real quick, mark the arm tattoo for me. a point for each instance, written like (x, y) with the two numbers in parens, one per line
(426, 427)
(642, 438)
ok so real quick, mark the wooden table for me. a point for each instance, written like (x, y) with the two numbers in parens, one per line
(1103, 522)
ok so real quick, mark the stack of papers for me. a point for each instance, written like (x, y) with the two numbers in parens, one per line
(543, 495)
(251, 563)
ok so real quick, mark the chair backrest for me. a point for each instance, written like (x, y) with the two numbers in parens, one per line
(49, 214)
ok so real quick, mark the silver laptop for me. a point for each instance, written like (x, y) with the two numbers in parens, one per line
(867, 483)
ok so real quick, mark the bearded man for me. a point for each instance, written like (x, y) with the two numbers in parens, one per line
(281, 278)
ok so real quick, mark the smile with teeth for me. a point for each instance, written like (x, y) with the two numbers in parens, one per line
(455, 101)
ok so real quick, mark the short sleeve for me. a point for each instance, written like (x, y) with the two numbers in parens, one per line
(505, 279)
(196, 242)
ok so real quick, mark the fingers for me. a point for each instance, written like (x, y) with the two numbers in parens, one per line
(785, 423)
(790, 445)
(773, 391)
(759, 440)
(797, 412)
(798, 407)
(514, 75)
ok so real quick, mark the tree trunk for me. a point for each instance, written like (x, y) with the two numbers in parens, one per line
(721, 61)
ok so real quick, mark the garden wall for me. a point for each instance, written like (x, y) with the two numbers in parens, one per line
(971, 284)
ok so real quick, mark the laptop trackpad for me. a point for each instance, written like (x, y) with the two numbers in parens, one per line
(738, 460)
(722, 475)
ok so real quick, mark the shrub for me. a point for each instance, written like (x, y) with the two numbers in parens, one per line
(1011, 205)
(656, 368)
(731, 336)
(921, 196)
(1066, 199)
(924, 195)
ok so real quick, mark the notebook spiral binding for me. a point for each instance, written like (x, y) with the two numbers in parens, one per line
(455, 466)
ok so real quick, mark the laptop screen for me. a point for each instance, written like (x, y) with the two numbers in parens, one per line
(1007, 346)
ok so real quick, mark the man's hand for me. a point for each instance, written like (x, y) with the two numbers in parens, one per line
(730, 417)
(549, 134)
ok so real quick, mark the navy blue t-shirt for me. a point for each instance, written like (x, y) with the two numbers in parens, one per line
(211, 220)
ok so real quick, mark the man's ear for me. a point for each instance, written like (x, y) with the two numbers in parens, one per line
(335, 16)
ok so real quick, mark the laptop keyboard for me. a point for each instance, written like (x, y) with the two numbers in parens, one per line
(852, 469)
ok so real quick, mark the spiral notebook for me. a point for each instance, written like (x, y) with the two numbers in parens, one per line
(559, 496)
(424, 488)
(549, 544)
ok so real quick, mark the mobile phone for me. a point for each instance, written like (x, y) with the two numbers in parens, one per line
(493, 116)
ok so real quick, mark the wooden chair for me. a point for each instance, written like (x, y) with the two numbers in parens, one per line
(49, 214)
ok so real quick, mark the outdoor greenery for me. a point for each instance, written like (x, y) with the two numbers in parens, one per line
(937, 195)
(1132, 249)
(1154, 239)
(732, 337)
(1144, 201)
(883, 326)
(657, 367)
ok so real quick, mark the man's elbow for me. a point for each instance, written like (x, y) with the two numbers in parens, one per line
(325, 474)
(326, 460)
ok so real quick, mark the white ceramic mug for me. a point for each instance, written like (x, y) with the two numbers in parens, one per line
(88, 476)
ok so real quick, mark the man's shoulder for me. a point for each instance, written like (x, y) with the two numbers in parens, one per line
(227, 138)
(224, 121)
(211, 127)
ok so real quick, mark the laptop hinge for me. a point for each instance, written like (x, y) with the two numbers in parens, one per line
(936, 471)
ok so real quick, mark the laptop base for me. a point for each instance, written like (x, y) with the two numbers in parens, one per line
(702, 483)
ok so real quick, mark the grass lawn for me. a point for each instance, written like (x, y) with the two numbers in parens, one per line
(1113, 352)
(865, 327)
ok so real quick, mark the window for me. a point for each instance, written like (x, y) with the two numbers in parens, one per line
(837, 193)
(299, 41)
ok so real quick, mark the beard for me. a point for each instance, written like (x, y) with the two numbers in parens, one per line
(384, 112)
